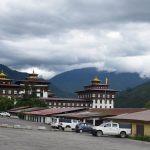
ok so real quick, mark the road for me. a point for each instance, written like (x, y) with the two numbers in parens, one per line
(18, 139)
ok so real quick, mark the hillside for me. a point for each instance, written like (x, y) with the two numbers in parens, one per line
(135, 97)
(74, 80)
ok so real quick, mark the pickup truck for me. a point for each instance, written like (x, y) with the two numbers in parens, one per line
(111, 128)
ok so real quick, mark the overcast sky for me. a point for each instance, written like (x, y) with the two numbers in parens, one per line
(53, 36)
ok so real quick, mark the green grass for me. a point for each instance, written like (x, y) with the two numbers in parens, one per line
(141, 138)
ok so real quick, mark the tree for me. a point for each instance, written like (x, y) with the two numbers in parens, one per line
(6, 103)
(31, 101)
(147, 105)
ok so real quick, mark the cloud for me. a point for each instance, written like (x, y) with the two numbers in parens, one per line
(54, 36)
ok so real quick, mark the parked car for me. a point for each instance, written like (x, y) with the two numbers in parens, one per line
(5, 114)
(112, 128)
(55, 122)
(83, 127)
(68, 123)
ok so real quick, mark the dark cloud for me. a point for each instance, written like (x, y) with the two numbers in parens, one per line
(58, 35)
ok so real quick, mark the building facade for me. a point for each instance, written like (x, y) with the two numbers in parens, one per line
(56, 102)
(34, 85)
(99, 94)
(140, 122)
(7, 88)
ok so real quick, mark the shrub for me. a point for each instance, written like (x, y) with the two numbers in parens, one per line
(141, 138)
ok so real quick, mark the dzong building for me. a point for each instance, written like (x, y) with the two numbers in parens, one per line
(34, 85)
(100, 95)
(7, 88)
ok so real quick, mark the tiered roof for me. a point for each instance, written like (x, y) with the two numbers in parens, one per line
(96, 85)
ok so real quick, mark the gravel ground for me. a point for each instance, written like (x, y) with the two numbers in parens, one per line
(19, 139)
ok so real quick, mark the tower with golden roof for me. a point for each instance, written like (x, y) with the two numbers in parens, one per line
(35, 85)
(7, 88)
(99, 93)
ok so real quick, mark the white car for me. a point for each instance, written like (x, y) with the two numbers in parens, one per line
(5, 114)
(68, 123)
(112, 128)
(55, 122)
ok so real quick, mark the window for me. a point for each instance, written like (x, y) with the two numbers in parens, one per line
(15, 92)
(93, 95)
(107, 125)
(9, 92)
(103, 95)
(113, 96)
(114, 125)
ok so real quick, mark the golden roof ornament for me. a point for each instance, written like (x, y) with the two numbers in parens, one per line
(2, 74)
(96, 79)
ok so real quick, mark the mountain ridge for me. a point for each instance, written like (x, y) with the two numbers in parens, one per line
(74, 80)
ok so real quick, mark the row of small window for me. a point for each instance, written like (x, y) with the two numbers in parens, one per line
(8, 92)
(103, 106)
(97, 95)
(100, 87)
(103, 101)
(69, 104)
(5, 82)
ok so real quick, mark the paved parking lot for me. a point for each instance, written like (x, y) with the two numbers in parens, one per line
(22, 139)
(18, 139)
(4, 121)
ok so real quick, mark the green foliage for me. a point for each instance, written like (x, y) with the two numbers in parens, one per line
(147, 105)
(31, 101)
(6, 103)
(141, 138)
(135, 97)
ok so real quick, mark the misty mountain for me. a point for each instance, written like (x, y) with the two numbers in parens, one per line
(74, 80)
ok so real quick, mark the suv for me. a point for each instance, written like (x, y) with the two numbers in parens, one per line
(68, 123)
(83, 127)
(112, 128)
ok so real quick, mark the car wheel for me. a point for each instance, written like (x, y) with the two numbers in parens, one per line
(61, 128)
(80, 130)
(99, 133)
(123, 134)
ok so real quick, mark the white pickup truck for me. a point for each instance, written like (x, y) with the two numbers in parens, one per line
(111, 128)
